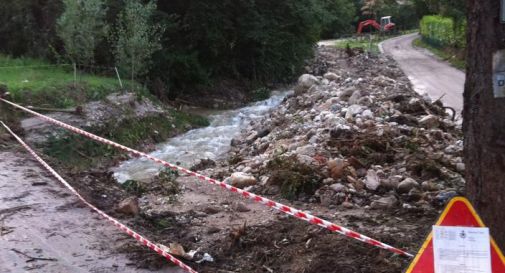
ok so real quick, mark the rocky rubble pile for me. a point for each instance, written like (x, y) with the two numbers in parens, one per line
(355, 134)
(115, 108)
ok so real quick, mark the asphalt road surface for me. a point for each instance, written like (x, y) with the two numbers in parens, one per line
(427, 73)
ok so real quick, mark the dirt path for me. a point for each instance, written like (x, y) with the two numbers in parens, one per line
(427, 73)
(38, 217)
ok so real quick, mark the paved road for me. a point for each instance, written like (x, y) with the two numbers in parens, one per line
(427, 73)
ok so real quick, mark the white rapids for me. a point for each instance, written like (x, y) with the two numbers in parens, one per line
(211, 142)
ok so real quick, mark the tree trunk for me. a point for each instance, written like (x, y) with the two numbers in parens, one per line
(484, 117)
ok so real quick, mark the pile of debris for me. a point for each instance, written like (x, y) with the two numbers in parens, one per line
(354, 135)
(115, 108)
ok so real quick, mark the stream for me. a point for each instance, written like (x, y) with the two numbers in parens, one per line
(212, 142)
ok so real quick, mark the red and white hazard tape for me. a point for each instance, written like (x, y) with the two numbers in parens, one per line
(118, 224)
(265, 201)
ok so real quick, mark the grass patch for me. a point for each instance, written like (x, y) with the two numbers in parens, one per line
(182, 119)
(293, 177)
(409, 31)
(260, 94)
(371, 45)
(78, 153)
(454, 56)
(363, 42)
(35, 82)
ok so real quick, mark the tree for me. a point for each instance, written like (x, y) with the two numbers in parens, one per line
(484, 117)
(339, 16)
(27, 28)
(250, 42)
(371, 7)
(136, 37)
(81, 27)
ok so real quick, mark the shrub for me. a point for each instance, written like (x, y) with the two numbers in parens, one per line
(443, 31)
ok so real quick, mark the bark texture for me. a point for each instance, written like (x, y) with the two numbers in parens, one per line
(484, 117)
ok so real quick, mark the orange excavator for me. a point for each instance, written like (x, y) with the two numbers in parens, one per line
(385, 25)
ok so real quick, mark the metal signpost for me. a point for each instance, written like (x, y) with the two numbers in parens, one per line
(499, 73)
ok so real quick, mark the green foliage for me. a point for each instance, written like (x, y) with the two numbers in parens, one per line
(181, 44)
(442, 31)
(456, 9)
(28, 27)
(371, 44)
(81, 27)
(405, 16)
(372, 7)
(164, 183)
(338, 16)
(133, 187)
(136, 38)
(260, 94)
(293, 177)
(183, 118)
(167, 182)
(260, 41)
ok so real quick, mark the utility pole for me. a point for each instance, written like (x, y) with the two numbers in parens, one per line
(484, 113)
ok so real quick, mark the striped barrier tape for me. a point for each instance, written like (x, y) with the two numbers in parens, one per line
(118, 224)
(265, 201)
(33, 66)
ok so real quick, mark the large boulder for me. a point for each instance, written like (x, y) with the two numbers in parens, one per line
(406, 185)
(305, 82)
(355, 97)
(387, 202)
(372, 181)
(336, 167)
(241, 180)
(331, 76)
(429, 121)
(129, 206)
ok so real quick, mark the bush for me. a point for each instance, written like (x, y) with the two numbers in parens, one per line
(443, 31)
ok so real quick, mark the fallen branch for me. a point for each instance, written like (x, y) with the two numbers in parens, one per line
(268, 269)
(9, 211)
(4, 230)
(77, 110)
(31, 259)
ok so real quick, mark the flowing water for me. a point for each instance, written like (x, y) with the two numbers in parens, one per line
(211, 142)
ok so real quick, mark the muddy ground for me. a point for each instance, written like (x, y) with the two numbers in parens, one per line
(43, 228)
(206, 219)
(275, 242)
(202, 217)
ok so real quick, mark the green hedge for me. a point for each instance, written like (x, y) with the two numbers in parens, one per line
(443, 31)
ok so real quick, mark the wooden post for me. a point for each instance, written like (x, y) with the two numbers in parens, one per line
(75, 75)
(133, 73)
(118, 77)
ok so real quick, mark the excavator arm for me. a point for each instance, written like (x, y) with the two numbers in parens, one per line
(372, 23)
